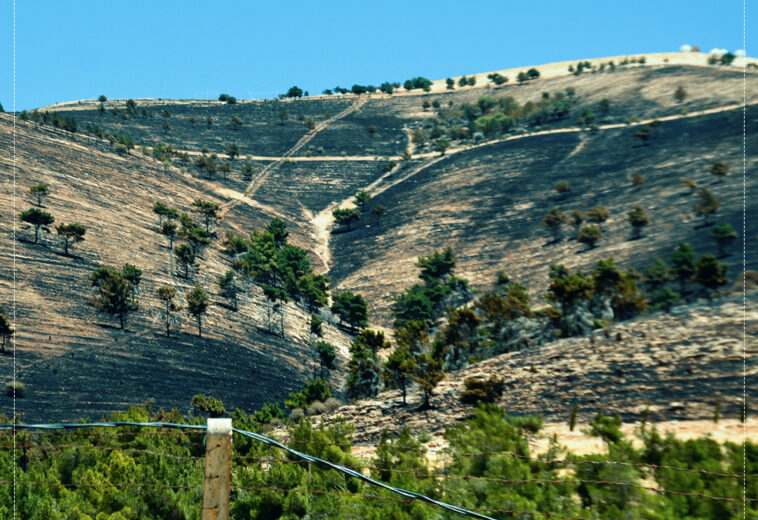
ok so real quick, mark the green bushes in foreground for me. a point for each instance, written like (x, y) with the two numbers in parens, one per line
(119, 473)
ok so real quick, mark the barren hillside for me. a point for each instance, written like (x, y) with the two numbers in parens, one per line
(308, 156)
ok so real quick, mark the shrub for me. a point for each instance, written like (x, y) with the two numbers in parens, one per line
(480, 390)
(719, 169)
(296, 415)
(497, 79)
(450, 84)
(598, 215)
(638, 219)
(589, 235)
(553, 222)
(680, 94)
(208, 405)
(723, 235)
(707, 205)
(637, 179)
(562, 187)
(664, 298)
(15, 389)
(316, 408)
(332, 405)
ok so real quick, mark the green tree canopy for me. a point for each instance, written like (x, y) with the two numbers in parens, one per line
(38, 219)
(351, 308)
(346, 216)
(70, 234)
(197, 306)
(39, 191)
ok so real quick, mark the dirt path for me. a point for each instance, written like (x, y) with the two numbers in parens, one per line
(261, 177)
(322, 222)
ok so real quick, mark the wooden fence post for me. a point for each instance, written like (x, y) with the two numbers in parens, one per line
(218, 470)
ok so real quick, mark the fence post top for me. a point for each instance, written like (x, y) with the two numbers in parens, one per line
(221, 426)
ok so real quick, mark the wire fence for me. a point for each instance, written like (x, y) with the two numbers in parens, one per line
(32, 441)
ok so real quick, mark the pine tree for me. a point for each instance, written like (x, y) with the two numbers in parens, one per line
(346, 217)
(428, 375)
(229, 287)
(683, 264)
(400, 367)
(38, 219)
(166, 295)
(351, 308)
(197, 306)
(723, 235)
(364, 368)
(638, 219)
(209, 210)
(589, 235)
(185, 257)
(6, 328)
(710, 273)
(707, 205)
(361, 199)
(70, 234)
(327, 355)
(554, 222)
(115, 293)
(39, 191)
(168, 229)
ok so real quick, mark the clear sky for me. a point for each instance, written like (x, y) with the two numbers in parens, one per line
(79, 49)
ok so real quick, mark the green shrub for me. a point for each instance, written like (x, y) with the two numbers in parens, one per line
(15, 389)
(480, 390)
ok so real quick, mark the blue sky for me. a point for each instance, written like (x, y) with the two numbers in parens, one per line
(79, 49)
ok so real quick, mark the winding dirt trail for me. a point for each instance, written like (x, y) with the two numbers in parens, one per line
(261, 177)
(323, 221)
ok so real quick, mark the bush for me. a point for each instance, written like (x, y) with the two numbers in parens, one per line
(208, 405)
(294, 92)
(480, 390)
(332, 404)
(589, 235)
(316, 408)
(15, 389)
(296, 415)
(562, 187)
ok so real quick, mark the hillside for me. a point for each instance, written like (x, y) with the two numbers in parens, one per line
(485, 197)
(674, 365)
(76, 362)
